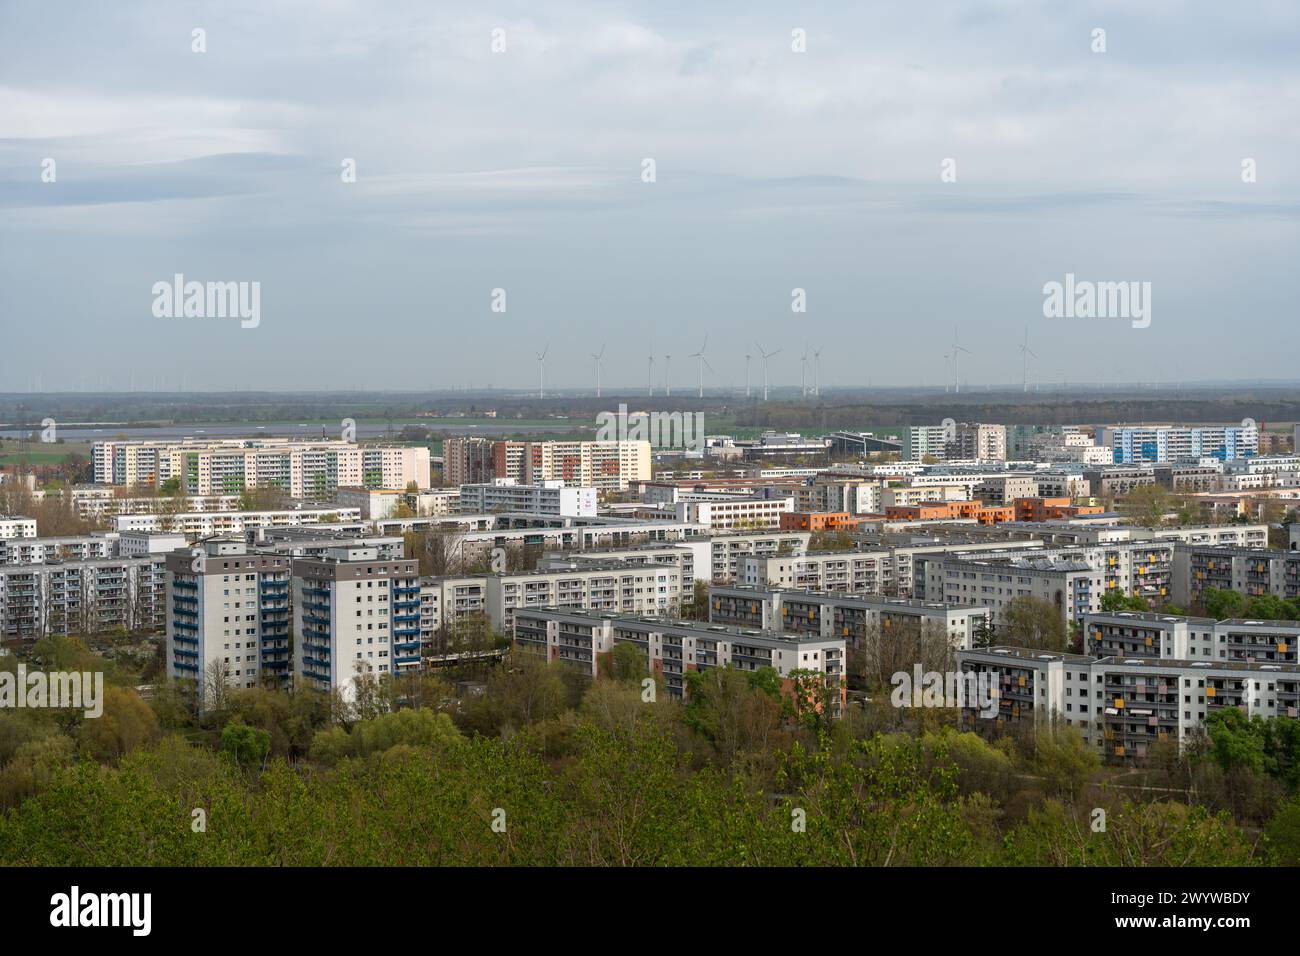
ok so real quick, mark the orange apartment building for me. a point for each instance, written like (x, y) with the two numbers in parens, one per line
(1052, 509)
(945, 510)
(816, 521)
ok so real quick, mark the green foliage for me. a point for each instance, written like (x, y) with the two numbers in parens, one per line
(248, 745)
(1269, 746)
(1033, 623)
(1116, 600)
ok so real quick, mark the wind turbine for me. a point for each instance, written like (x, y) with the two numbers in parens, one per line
(1025, 352)
(650, 369)
(817, 372)
(957, 349)
(945, 372)
(766, 356)
(747, 358)
(597, 356)
(541, 371)
(803, 373)
(702, 362)
(668, 375)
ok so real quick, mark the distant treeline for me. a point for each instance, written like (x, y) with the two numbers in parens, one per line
(841, 410)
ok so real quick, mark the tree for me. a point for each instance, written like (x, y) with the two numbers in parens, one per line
(1222, 604)
(696, 608)
(1147, 505)
(248, 745)
(1034, 623)
(1116, 600)
(216, 686)
(126, 723)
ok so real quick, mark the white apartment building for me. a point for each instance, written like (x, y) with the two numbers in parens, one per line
(16, 526)
(1168, 443)
(227, 616)
(610, 586)
(1133, 634)
(907, 496)
(849, 572)
(355, 616)
(736, 514)
(1125, 706)
(73, 548)
(97, 501)
(580, 639)
(206, 524)
(855, 496)
(302, 469)
(979, 442)
(849, 616)
(549, 497)
(82, 597)
(603, 465)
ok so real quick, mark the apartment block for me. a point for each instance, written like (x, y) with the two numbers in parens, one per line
(847, 616)
(603, 465)
(740, 514)
(206, 524)
(1072, 579)
(824, 522)
(227, 616)
(16, 526)
(82, 597)
(611, 587)
(1125, 706)
(355, 616)
(26, 550)
(468, 461)
(1133, 634)
(550, 497)
(302, 469)
(850, 572)
(1167, 443)
(979, 442)
(672, 648)
(1249, 571)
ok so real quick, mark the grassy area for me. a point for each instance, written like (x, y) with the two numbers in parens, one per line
(39, 453)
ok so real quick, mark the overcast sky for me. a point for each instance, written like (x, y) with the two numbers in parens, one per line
(522, 170)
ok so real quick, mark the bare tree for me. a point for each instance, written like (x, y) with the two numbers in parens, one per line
(216, 685)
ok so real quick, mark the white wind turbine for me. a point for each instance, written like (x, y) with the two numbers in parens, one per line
(541, 371)
(650, 369)
(597, 356)
(945, 372)
(747, 359)
(1025, 352)
(803, 373)
(817, 372)
(957, 349)
(765, 357)
(668, 375)
(702, 362)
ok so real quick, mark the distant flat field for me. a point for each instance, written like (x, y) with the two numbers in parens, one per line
(41, 454)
